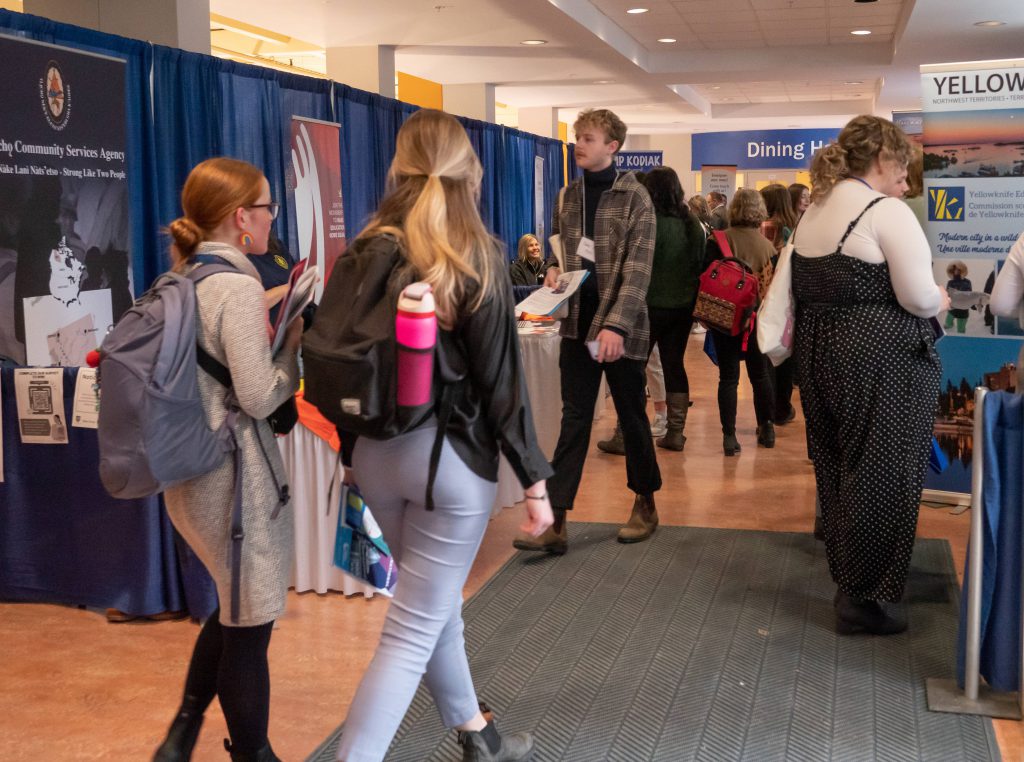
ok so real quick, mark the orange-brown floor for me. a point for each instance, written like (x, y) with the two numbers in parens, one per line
(75, 687)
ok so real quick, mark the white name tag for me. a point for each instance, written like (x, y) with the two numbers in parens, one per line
(586, 249)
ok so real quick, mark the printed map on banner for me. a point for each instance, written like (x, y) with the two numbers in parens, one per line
(40, 397)
(65, 276)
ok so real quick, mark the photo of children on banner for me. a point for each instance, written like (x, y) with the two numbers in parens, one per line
(359, 548)
(964, 280)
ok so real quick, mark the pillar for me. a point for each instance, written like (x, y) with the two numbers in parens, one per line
(475, 101)
(366, 67)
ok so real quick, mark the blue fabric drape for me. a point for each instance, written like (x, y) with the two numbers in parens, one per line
(1002, 503)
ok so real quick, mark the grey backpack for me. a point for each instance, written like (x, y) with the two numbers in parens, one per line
(153, 432)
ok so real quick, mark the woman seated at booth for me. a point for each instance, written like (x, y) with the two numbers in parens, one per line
(528, 267)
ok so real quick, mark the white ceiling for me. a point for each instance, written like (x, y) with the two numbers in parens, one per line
(736, 64)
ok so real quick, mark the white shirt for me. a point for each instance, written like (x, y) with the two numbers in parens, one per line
(1008, 291)
(889, 232)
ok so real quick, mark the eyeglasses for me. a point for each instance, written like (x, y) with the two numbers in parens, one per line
(273, 207)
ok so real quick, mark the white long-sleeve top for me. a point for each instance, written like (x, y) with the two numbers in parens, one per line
(889, 232)
(1008, 292)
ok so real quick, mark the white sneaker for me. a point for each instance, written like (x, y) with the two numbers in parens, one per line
(660, 425)
(698, 329)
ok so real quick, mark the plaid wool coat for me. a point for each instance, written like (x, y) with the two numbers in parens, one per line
(624, 250)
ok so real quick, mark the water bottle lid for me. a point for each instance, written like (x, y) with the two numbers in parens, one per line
(417, 298)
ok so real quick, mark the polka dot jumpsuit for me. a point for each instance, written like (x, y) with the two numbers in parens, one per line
(869, 383)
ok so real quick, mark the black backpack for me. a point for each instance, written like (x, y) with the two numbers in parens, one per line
(350, 353)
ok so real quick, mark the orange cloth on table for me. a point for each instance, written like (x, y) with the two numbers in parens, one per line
(310, 417)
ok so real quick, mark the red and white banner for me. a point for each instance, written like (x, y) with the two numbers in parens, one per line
(318, 205)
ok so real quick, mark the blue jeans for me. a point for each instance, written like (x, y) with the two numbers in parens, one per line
(423, 630)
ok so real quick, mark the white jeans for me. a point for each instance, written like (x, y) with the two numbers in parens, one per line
(422, 635)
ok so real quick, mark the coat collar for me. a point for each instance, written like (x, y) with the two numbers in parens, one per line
(232, 255)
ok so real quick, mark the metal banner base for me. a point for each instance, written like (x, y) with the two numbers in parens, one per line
(946, 696)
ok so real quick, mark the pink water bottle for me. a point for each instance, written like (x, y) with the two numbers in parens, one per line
(416, 333)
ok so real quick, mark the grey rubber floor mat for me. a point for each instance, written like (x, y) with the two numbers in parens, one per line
(702, 644)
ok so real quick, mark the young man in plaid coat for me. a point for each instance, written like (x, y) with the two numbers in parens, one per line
(607, 226)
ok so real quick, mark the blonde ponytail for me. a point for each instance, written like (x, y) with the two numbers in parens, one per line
(431, 207)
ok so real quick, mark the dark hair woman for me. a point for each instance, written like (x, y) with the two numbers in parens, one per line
(678, 262)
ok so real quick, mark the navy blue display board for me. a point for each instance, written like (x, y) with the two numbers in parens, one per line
(759, 149)
(63, 539)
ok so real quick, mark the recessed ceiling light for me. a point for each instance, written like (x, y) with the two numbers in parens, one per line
(666, 39)
(861, 32)
(716, 87)
(534, 42)
(604, 81)
(853, 82)
(637, 10)
(990, 23)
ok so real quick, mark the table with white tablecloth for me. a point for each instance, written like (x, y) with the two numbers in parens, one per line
(315, 483)
(543, 382)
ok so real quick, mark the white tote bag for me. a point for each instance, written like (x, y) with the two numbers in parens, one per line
(776, 317)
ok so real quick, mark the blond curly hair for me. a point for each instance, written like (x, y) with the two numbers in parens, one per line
(863, 139)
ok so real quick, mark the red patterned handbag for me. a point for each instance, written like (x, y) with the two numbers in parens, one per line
(728, 293)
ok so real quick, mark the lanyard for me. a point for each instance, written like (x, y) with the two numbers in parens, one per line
(861, 180)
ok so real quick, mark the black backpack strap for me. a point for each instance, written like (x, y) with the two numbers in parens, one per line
(839, 248)
(213, 366)
(448, 394)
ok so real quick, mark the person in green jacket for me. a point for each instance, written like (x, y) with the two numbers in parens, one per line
(678, 262)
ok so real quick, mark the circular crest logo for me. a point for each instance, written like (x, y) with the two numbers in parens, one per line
(56, 96)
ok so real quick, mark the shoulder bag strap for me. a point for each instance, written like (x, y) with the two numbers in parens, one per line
(852, 225)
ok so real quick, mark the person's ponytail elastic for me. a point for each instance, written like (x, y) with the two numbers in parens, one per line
(828, 167)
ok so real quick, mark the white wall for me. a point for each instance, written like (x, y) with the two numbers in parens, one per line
(677, 154)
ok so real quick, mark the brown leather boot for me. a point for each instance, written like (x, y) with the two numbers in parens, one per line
(678, 407)
(555, 538)
(614, 446)
(642, 522)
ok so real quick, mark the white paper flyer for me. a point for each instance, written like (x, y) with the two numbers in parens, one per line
(546, 300)
(85, 412)
(40, 396)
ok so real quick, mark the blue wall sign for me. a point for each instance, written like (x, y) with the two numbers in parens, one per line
(760, 149)
(642, 161)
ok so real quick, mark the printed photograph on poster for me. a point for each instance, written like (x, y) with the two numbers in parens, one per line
(85, 412)
(987, 143)
(315, 179)
(64, 224)
(967, 363)
(969, 283)
(40, 400)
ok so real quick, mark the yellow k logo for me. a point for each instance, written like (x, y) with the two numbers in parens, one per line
(945, 205)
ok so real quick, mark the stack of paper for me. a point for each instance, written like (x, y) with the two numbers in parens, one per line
(544, 301)
(301, 288)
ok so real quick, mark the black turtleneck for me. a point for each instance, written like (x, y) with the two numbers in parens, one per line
(594, 186)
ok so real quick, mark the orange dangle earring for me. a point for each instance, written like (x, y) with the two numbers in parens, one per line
(246, 238)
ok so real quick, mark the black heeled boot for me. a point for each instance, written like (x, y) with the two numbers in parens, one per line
(181, 737)
(730, 445)
(488, 746)
(266, 754)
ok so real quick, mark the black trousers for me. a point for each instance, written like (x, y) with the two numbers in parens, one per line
(670, 330)
(581, 382)
(782, 382)
(729, 350)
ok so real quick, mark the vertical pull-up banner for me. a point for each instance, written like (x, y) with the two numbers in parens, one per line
(64, 228)
(316, 200)
(974, 190)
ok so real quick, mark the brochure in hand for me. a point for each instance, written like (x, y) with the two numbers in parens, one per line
(545, 301)
(359, 547)
(301, 288)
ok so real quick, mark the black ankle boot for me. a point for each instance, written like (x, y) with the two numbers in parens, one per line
(266, 754)
(488, 746)
(854, 615)
(181, 738)
(730, 445)
(766, 435)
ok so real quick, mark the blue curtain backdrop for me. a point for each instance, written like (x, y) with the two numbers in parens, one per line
(185, 107)
(1002, 500)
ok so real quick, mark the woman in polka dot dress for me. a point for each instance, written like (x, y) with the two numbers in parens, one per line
(868, 370)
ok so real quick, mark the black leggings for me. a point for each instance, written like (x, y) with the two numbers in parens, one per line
(231, 663)
(670, 330)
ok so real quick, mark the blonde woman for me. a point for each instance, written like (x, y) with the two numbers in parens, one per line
(528, 267)
(868, 370)
(430, 213)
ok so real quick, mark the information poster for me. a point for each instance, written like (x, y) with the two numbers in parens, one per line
(64, 229)
(40, 399)
(974, 188)
(718, 179)
(86, 410)
(538, 199)
(317, 199)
